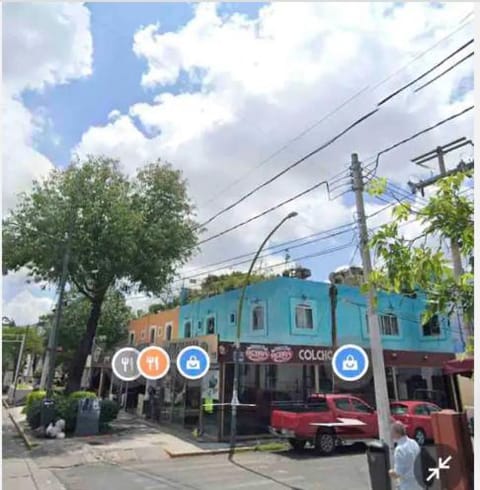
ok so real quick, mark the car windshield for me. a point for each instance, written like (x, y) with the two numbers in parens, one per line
(398, 409)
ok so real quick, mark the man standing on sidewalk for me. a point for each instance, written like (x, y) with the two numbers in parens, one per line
(404, 458)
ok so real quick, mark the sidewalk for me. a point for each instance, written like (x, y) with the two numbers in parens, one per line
(133, 439)
(20, 472)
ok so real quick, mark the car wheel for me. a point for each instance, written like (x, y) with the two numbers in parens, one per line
(325, 443)
(297, 444)
(420, 437)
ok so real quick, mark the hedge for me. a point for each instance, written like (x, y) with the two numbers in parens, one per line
(66, 407)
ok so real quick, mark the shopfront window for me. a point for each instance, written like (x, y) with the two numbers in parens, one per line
(303, 317)
(258, 318)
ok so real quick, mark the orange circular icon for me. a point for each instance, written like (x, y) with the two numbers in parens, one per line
(153, 362)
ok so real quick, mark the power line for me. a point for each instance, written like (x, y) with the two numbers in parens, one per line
(424, 74)
(444, 72)
(341, 106)
(293, 165)
(419, 133)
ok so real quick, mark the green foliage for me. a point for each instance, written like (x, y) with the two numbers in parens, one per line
(33, 344)
(123, 231)
(33, 397)
(66, 407)
(411, 265)
(377, 186)
(112, 326)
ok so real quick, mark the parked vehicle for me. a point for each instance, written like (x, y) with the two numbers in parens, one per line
(416, 416)
(326, 421)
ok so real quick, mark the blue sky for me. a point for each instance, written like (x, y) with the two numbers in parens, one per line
(225, 111)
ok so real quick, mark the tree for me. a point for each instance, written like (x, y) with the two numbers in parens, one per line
(112, 325)
(34, 344)
(414, 265)
(124, 232)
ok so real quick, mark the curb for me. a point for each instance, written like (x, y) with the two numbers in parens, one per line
(30, 445)
(209, 452)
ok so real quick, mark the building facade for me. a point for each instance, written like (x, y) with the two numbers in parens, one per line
(289, 331)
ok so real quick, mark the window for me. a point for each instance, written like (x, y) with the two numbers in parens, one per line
(152, 335)
(432, 327)
(210, 325)
(359, 406)
(388, 325)
(168, 331)
(131, 338)
(187, 329)
(199, 325)
(303, 317)
(258, 318)
(421, 410)
(343, 404)
(232, 318)
(399, 409)
(433, 409)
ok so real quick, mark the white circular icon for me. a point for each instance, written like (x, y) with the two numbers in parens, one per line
(124, 364)
(350, 362)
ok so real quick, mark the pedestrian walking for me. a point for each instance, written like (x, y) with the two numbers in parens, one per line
(404, 457)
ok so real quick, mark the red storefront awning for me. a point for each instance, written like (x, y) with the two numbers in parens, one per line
(464, 367)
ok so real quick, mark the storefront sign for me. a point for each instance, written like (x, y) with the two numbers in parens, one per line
(276, 354)
(206, 342)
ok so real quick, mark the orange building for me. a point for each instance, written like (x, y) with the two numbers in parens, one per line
(154, 328)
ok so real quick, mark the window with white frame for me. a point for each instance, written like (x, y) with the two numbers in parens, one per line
(187, 329)
(210, 325)
(258, 318)
(303, 317)
(431, 328)
(388, 325)
(152, 335)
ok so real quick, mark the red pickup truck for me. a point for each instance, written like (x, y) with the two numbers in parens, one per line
(326, 421)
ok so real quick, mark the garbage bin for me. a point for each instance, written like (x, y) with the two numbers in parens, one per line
(47, 412)
(378, 458)
(88, 417)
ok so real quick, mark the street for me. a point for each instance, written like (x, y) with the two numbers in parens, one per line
(249, 470)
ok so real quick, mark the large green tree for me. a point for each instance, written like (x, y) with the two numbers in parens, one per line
(112, 325)
(126, 232)
(410, 265)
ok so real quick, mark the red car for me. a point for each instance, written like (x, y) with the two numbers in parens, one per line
(326, 421)
(416, 416)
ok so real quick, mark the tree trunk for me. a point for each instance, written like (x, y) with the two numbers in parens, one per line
(75, 370)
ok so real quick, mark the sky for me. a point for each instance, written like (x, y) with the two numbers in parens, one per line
(217, 89)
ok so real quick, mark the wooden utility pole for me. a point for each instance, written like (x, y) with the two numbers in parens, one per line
(439, 154)
(378, 362)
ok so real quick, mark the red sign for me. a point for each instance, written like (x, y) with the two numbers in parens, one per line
(281, 354)
(257, 353)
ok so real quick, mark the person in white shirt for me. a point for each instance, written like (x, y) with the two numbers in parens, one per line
(404, 457)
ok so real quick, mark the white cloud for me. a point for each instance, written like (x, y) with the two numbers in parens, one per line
(255, 83)
(44, 45)
(26, 308)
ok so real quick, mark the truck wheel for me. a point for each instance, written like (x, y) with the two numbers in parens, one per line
(420, 437)
(297, 444)
(325, 443)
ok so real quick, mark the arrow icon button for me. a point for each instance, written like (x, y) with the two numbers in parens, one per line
(442, 465)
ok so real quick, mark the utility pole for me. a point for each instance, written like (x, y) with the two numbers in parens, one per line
(19, 365)
(439, 154)
(378, 363)
(52, 340)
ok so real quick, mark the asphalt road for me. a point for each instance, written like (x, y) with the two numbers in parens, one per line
(266, 471)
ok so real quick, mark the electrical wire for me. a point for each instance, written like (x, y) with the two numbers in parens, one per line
(444, 72)
(424, 74)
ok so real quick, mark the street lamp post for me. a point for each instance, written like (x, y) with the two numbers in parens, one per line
(236, 353)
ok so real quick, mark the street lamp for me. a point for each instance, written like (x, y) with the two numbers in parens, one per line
(236, 353)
